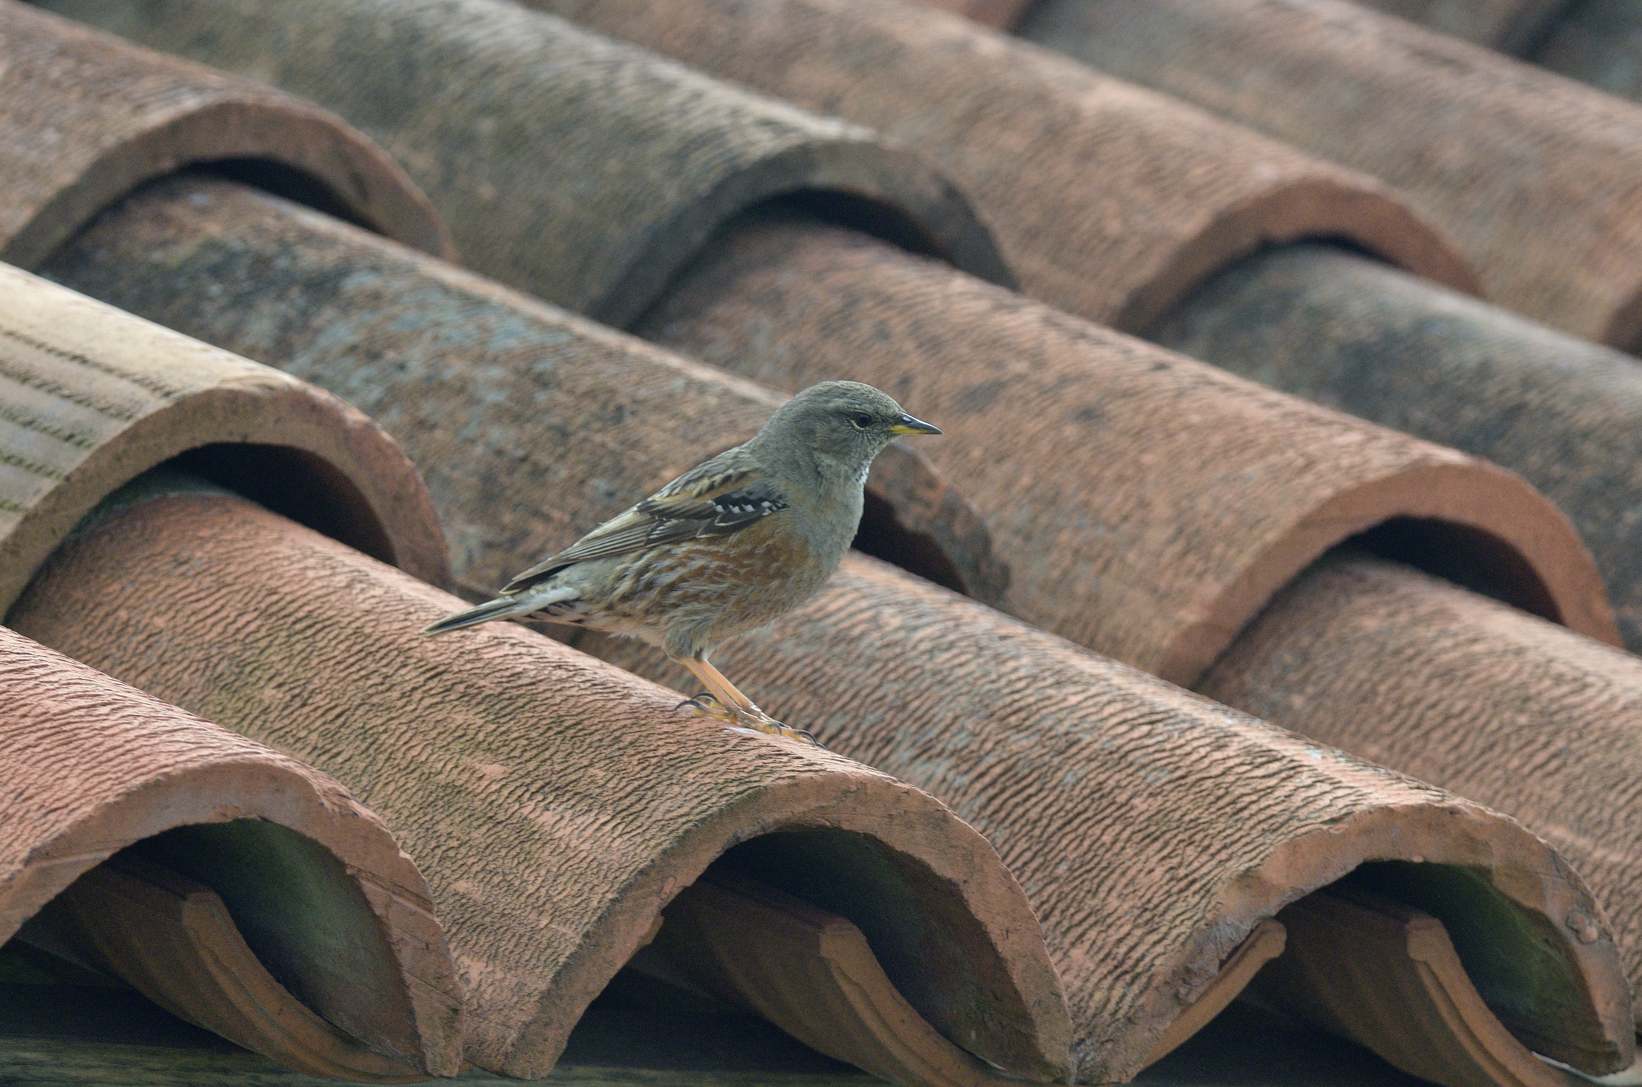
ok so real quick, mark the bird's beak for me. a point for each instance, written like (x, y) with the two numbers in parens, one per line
(906, 424)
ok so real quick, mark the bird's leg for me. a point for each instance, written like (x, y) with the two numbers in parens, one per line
(707, 703)
(726, 692)
(743, 709)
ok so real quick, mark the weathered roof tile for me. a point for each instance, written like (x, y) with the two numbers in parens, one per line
(977, 741)
(1154, 832)
(1535, 176)
(460, 366)
(1147, 505)
(1353, 334)
(88, 117)
(575, 167)
(1513, 712)
(93, 767)
(94, 397)
(557, 804)
(1108, 200)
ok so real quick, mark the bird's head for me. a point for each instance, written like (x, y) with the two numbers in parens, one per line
(842, 425)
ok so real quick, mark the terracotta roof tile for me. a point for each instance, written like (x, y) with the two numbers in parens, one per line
(1517, 714)
(1177, 193)
(93, 767)
(87, 117)
(1327, 325)
(526, 985)
(1151, 829)
(1002, 114)
(556, 803)
(285, 269)
(1371, 968)
(1325, 814)
(1535, 176)
(1060, 431)
(621, 163)
(407, 338)
(1156, 834)
(94, 398)
(812, 972)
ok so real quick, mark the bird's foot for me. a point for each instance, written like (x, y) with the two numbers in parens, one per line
(757, 720)
(705, 705)
(748, 720)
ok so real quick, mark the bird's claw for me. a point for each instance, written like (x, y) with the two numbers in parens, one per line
(757, 720)
(706, 705)
(748, 721)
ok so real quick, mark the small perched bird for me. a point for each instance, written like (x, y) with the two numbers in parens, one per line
(728, 546)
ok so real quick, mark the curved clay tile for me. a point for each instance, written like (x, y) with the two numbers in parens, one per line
(1596, 42)
(1087, 840)
(447, 361)
(577, 168)
(1535, 176)
(557, 803)
(1106, 199)
(1151, 829)
(1516, 713)
(1090, 454)
(1371, 968)
(811, 972)
(93, 767)
(1265, 942)
(1355, 335)
(94, 397)
(84, 118)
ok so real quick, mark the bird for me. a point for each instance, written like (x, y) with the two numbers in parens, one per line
(729, 546)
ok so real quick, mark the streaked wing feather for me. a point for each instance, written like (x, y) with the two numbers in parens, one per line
(718, 496)
(712, 476)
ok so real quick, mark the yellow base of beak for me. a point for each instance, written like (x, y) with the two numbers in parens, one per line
(908, 425)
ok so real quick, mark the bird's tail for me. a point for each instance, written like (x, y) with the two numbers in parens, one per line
(500, 608)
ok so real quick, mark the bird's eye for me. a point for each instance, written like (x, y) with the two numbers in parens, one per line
(860, 420)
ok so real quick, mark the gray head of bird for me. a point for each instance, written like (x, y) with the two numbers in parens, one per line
(836, 428)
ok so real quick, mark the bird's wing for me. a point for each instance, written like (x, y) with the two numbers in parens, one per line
(716, 498)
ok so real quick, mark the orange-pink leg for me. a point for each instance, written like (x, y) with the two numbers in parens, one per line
(740, 709)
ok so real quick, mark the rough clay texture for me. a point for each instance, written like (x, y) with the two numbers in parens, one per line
(555, 803)
(472, 377)
(92, 766)
(1495, 705)
(1598, 42)
(1060, 430)
(91, 397)
(1151, 829)
(1353, 334)
(576, 168)
(1502, 24)
(1540, 179)
(85, 117)
(1127, 983)
(1108, 200)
